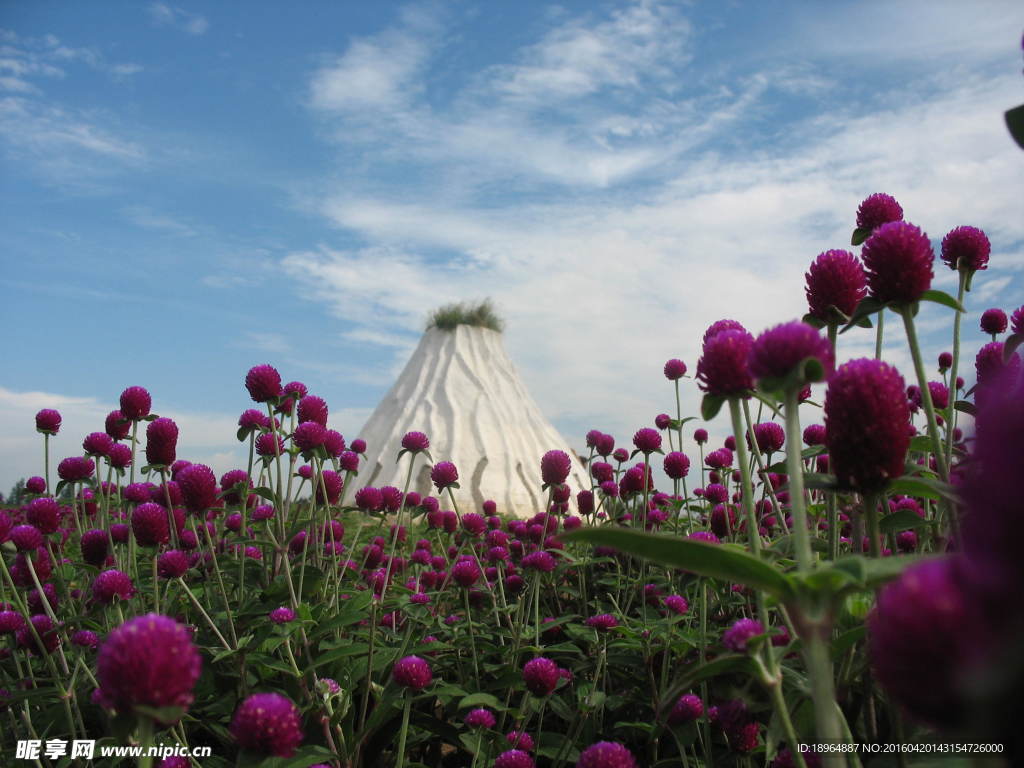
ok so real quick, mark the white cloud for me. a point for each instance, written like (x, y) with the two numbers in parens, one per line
(163, 14)
(147, 218)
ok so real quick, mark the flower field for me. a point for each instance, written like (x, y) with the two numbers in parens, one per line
(836, 584)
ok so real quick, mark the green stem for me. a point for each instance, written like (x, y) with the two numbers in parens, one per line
(794, 469)
(145, 741)
(199, 607)
(400, 761)
(878, 334)
(871, 515)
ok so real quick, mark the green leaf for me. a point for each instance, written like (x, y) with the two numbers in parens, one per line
(261, 491)
(902, 520)
(925, 487)
(813, 321)
(819, 481)
(303, 758)
(243, 432)
(860, 234)
(966, 406)
(715, 560)
(921, 444)
(1015, 124)
(1013, 341)
(943, 298)
(846, 640)
(867, 307)
(480, 700)
(872, 572)
(710, 405)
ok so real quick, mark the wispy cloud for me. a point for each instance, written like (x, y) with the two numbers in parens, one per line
(163, 14)
(147, 218)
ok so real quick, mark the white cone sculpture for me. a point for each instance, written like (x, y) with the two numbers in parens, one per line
(461, 389)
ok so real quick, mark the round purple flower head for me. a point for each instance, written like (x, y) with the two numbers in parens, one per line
(75, 468)
(161, 442)
(198, 487)
(120, 456)
(866, 420)
(415, 442)
(358, 446)
(662, 421)
(313, 408)
(172, 564)
(878, 209)
(778, 351)
(150, 525)
(48, 421)
(136, 403)
(966, 249)
(721, 325)
(254, 419)
(769, 435)
(990, 366)
(269, 724)
(814, 434)
(480, 718)
(602, 622)
(606, 754)
(514, 758)
(116, 425)
(263, 383)
(369, 499)
(35, 484)
(700, 436)
(916, 639)
(945, 361)
(413, 673)
(993, 321)
(675, 369)
(898, 261)
(541, 676)
(97, 444)
(44, 514)
(25, 538)
(1017, 320)
(835, 279)
(722, 368)
(676, 465)
(282, 615)
(687, 709)
(647, 440)
(309, 435)
(677, 604)
(555, 467)
(150, 661)
(443, 475)
(738, 635)
(112, 584)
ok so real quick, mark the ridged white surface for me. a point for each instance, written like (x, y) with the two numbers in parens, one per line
(461, 389)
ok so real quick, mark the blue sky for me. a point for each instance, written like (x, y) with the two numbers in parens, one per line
(190, 189)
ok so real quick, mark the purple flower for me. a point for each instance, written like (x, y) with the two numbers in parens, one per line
(150, 526)
(198, 487)
(647, 440)
(700, 436)
(555, 467)
(84, 638)
(48, 421)
(263, 383)
(269, 724)
(120, 456)
(313, 408)
(676, 465)
(514, 758)
(898, 261)
(835, 279)
(269, 444)
(35, 484)
(866, 423)
(44, 514)
(739, 634)
(25, 538)
(722, 368)
(1017, 320)
(465, 573)
(719, 459)
(945, 361)
(518, 740)
(415, 442)
(687, 709)
(334, 443)
(990, 366)
(413, 673)
(334, 483)
(309, 435)
(254, 419)
(112, 584)
(161, 442)
(480, 718)
(136, 403)
(814, 434)
(47, 634)
(94, 546)
(721, 325)
(878, 209)
(75, 469)
(662, 421)
(993, 321)
(282, 615)
(677, 604)
(966, 249)
(369, 499)
(675, 369)
(541, 676)
(778, 351)
(172, 564)
(769, 435)
(540, 560)
(602, 622)
(606, 754)
(149, 660)
(443, 475)
(116, 425)
(229, 480)
(359, 446)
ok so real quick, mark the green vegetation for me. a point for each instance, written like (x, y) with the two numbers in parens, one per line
(480, 314)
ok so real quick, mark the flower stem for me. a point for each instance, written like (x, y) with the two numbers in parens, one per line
(400, 761)
(878, 334)
(794, 468)
(951, 411)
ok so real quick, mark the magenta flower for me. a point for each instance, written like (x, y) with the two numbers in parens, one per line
(269, 444)
(540, 560)
(263, 383)
(945, 361)
(814, 434)
(150, 526)
(675, 369)
(172, 564)
(443, 475)
(334, 483)
(198, 487)
(898, 261)
(358, 446)
(25, 538)
(835, 279)
(722, 368)
(253, 419)
(413, 673)
(606, 754)
(602, 622)
(647, 440)
(35, 484)
(721, 325)
(866, 423)
(136, 403)
(465, 573)
(269, 724)
(149, 660)
(120, 456)
(993, 321)
(313, 408)
(161, 442)
(110, 585)
(966, 249)
(541, 676)
(48, 421)
(878, 209)
(1017, 320)
(990, 366)
(44, 513)
(739, 634)
(47, 634)
(687, 709)
(75, 469)
(769, 435)
(514, 758)
(415, 442)
(116, 425)
(778, 351)
(282, 615)
(555, 467)
(676, 465)
(309, 435)
(677, 604)
(480, 718)
(700, 436)
(94, 547)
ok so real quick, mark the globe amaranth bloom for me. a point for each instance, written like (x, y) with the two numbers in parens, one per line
(161, 442)
(44, 513)
(263, 383)
(269, 724)
(309, 435)
(945, 361)
(555, 467)
(723, 366)
(993, 321)
(48, 421)
(700, 436)
(966, 249)
(866, 424)
(990, 366)
(413, 673)
(687, 709)
(777, 352)
(75, 469)
(675, 369)
(282, 615)
(878, 209)
(647, 440)
(120, 456)
(150, 525)
(414, 442)
(172, 564)
(835, 279)
(444, 474)
(770, 437)
(676, 465)
(898, 260)
(514, 758)
(480, 718)
(198, 487)
(606, 754)
(739, 634)
(1017, 320)
(814, 434)
(111, 585)
(602, 622)
(44, 628)
(541, 676)
(136, 403)
(313, 408)
(149, 660)
(334, 483)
